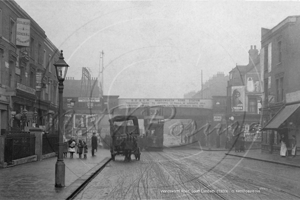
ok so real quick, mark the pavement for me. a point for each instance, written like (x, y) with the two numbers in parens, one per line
(36, 180)
(275, 158)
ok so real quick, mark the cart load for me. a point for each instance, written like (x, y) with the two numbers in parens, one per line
(124, 131)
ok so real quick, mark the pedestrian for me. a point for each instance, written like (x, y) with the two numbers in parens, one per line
(85, 149)
(65, 149)
(72, 144)
(242, 144)
(80, 148)
(237, 143)
(94, 143)
(283, 148)
(294, 146)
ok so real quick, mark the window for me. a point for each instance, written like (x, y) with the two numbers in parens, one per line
(1, 22)
(282, 89)
(279, 52)
(40, 54)
(32, 79)
(266, 58)
(50, 63)
(252, 105)
(279, 90)
(12, 31)
(44, 59)
(46, 92)
(10, 75)
(32, 48)
(266, 90)
(50, 90)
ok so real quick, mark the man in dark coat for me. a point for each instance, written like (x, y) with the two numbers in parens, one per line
(94, 144)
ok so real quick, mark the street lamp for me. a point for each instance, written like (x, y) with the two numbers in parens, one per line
(61, 68)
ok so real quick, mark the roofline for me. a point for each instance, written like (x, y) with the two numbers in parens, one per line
(279, 25)
(22, 11)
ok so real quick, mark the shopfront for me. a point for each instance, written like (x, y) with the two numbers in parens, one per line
(23, 104)
(284, 123)
(3, 114)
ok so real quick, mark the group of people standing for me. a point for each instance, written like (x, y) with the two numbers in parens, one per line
(81, 147)
(283, 146)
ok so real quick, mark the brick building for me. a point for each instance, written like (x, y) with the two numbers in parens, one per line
(28, 80)
(280, 59)
(244, 94)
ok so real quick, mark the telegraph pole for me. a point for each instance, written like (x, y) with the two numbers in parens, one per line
(102, 58)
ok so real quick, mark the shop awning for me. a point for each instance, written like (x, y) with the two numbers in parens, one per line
(281, 116)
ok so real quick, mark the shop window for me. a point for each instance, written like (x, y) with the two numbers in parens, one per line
(276, 138)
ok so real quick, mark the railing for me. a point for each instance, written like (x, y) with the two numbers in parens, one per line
(50, 143)
(18, 145)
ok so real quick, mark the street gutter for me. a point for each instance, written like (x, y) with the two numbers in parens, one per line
(75, 188)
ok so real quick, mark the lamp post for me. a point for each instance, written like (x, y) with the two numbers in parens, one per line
(61, 68)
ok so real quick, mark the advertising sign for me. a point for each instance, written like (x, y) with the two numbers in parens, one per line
(23, 32)
(238, 98)
(195, 103)
(38, 81)
(88, 99)
(252, 83)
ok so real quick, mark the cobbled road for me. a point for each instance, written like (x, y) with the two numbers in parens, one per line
(192, 174)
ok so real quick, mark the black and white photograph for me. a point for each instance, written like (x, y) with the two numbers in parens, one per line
(149, 99)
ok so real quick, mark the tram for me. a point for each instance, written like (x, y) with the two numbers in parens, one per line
(154, 137)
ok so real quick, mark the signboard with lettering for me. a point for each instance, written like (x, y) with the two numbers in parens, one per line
(25, 88)
(38, 81)
(192, 103)
(217, 118)
(88, 99)
(23, 32)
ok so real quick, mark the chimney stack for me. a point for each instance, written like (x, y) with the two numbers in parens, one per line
(253, 55)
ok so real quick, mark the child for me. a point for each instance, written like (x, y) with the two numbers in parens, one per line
(85, 149)
(72, 145)
(80, 148)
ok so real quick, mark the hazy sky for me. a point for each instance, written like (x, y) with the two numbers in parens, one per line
(155, 49)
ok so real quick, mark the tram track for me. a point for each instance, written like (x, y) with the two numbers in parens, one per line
(182, 182)
(257, 184)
